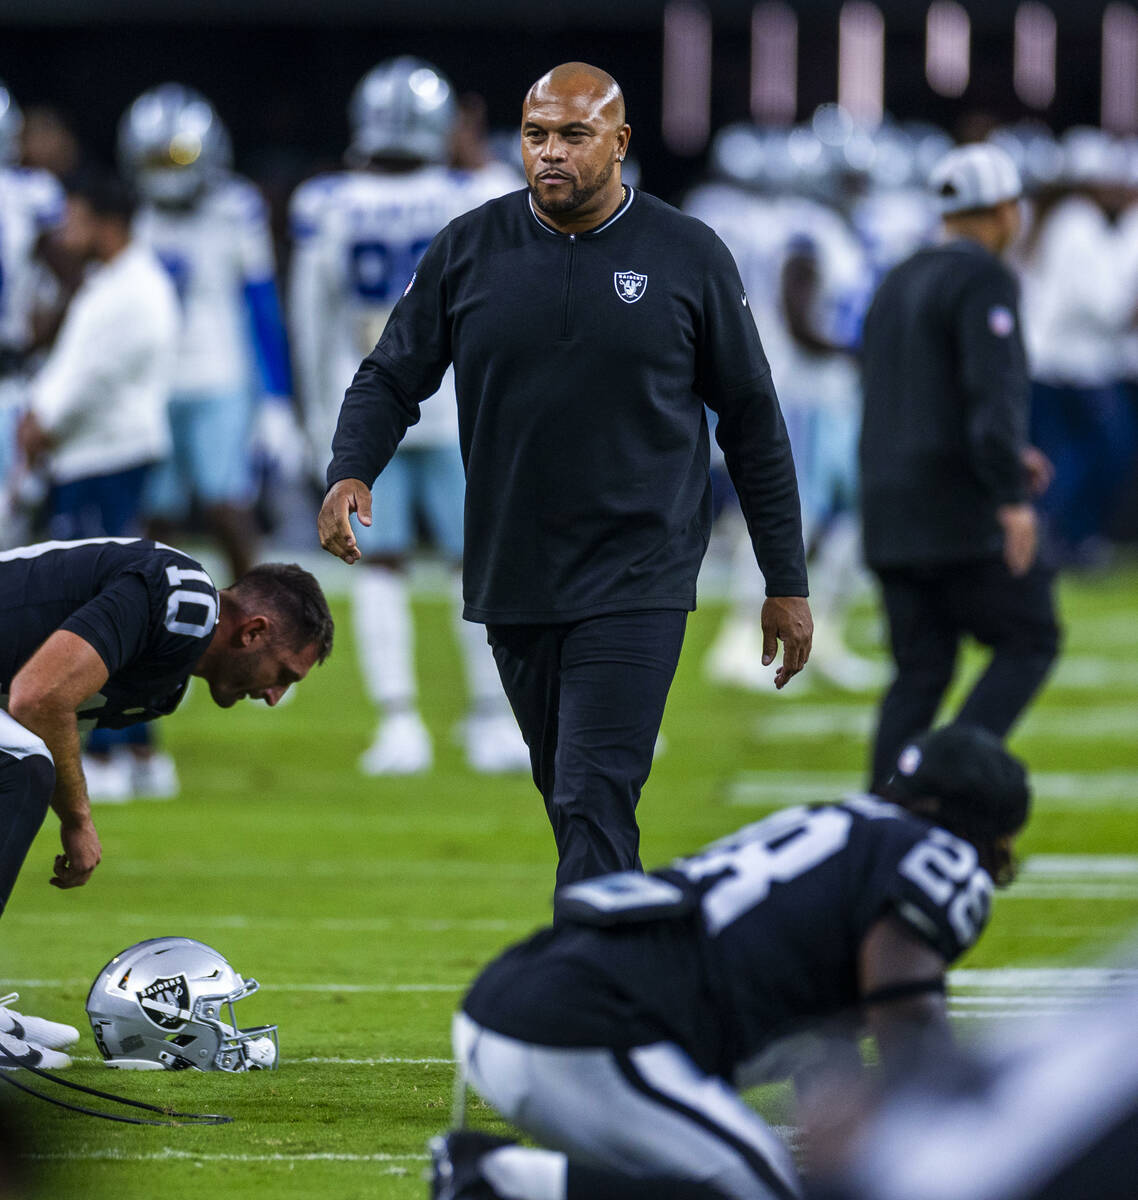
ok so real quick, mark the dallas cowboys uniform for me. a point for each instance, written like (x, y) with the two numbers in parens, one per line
(820, 392)
(619, 1035)
(148, 610)
(359, 237)
(219, 255)
(31, 203)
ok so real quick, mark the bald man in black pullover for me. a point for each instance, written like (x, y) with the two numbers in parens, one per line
(588, 325)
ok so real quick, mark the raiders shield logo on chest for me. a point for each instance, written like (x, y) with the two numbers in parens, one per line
(629, 285)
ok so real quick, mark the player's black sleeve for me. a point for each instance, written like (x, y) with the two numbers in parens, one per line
(406, 366)
(116, 622)
(994, 379)
(734, 381)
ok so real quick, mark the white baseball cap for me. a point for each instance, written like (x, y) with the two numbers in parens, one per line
(971, 177)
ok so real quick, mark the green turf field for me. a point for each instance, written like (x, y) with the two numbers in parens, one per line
(363, 907)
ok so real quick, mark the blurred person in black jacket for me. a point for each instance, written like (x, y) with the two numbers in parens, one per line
(947, 473)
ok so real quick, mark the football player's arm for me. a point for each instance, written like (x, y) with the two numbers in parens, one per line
(44, 697)
(734, 380)
(405, 368)
(901, 978)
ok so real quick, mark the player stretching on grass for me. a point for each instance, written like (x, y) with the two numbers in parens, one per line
(618, 1036)
(106, 633)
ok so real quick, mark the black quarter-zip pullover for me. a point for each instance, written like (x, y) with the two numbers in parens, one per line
(947, 395)
(582, 365)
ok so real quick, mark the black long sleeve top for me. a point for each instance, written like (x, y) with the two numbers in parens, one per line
(582, 365)
(946, 394)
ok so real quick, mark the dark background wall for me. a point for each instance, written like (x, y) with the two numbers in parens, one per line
(280, 71)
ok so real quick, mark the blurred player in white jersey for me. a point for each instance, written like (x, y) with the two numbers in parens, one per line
(808, 283)
(358, 236)
(210, 229)
(1078, 322)
(31, 204)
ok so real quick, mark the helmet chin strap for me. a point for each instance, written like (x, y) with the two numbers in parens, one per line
(173, 1118)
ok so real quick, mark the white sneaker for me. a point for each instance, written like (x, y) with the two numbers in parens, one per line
(154, 775)
(831, 658)
(108, 778)
(16, 1053)
(40, 1032)
(736, 658)
(494, 744)
(401, 747)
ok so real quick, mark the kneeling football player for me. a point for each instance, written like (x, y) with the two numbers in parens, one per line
(620, 1036)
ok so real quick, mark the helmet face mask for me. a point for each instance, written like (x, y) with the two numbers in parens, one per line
(172, 145)
(168, 1004)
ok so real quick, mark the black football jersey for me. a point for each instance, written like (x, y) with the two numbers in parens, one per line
(148, 610)
(752, 940)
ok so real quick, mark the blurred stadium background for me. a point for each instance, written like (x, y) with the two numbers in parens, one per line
(364, 905)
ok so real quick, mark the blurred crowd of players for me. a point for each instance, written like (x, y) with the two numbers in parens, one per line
(814, 215)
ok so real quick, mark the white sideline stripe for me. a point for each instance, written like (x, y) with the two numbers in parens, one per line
(1106, 723)
(1055, 790)
(169, 1154)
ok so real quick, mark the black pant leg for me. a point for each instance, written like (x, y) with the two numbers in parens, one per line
(589, 698)
(1015, 617)
(924, 644)
(26, 783)
(529, 664)
(616, 671)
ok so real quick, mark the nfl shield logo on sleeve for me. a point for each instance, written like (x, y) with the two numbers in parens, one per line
(629, 285)
(1001, 320)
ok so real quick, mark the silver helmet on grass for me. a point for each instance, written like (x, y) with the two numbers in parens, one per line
(11, 126)
(167, 1004)
(404, 108)
(172, 144)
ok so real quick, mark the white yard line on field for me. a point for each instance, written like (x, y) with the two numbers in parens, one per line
(327, 924)
(169, 1154)
(276, 987)
(1054, 790)
(1054, 722)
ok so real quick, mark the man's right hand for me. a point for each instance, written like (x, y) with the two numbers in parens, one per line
(81, 853)
(1021, 536)
(345, 497)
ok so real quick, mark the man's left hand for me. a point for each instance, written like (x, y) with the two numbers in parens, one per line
(786, 619)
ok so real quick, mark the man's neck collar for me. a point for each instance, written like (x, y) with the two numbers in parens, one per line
(626, 194)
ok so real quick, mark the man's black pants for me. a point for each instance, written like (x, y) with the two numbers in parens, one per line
(27, 777)
(930, 610)
(589, 697)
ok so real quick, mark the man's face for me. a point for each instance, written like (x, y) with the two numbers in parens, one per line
(570, 142)
(80, 226)
(263, 670)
